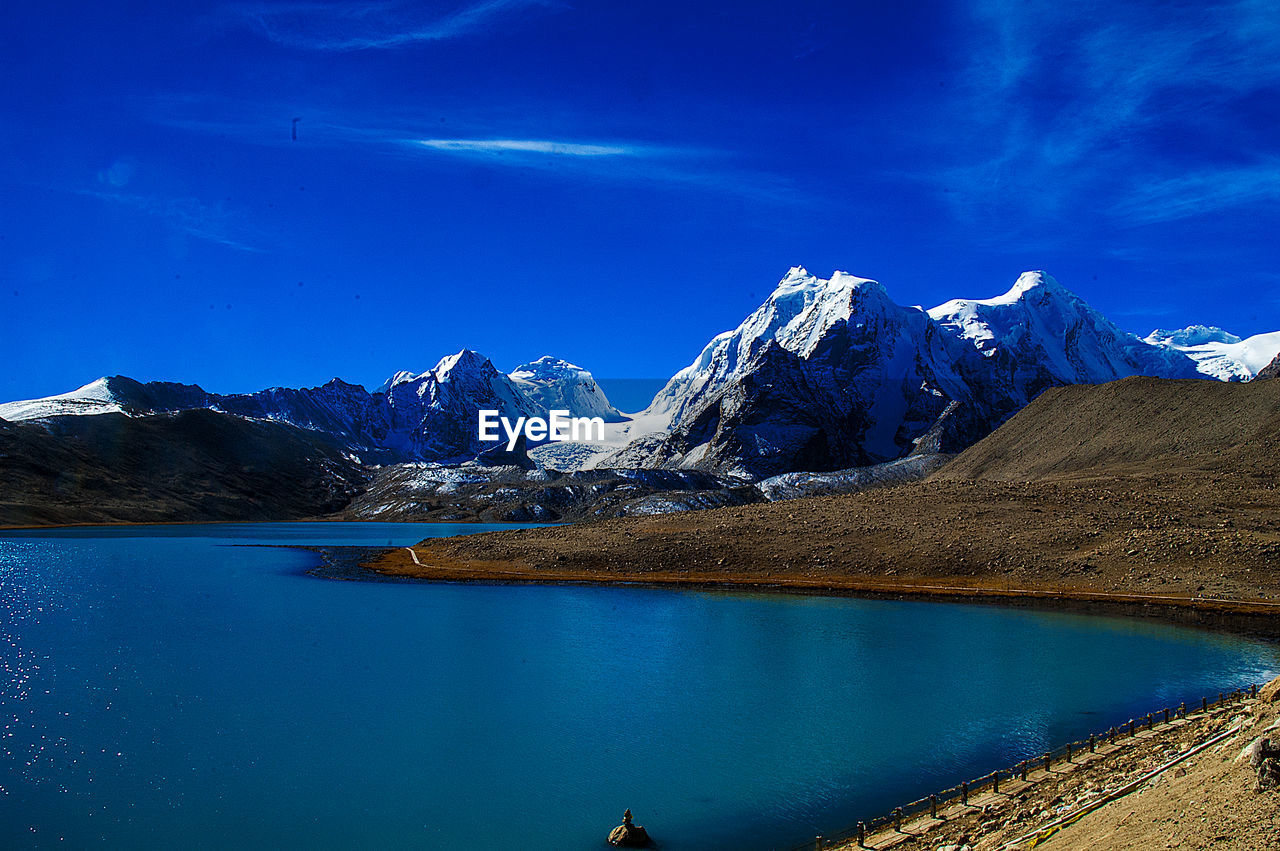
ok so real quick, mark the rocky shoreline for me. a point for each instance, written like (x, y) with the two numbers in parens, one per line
(1205, 780)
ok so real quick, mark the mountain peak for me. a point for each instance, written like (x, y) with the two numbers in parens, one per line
(1192, 335)
(1035, 279)
(1033, 283)
(546, 367)
(799, 279)
(465, 360)
(401, 377)
(1039, 321)
(338, 384)
(555, 384)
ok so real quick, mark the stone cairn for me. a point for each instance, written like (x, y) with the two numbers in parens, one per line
(628, 835)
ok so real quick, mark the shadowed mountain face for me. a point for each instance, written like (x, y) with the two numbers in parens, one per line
(832, 411)
(192, 465)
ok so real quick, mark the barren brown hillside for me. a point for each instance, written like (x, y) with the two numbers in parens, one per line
(1134, 426)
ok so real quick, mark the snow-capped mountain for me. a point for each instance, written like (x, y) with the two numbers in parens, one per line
(433, 415)
(826, 374)
(1218, 353)
(93, 398)
(1040, 334)
(426, 416)
(555, 384)
(114, 394)
(795, 316)
(831, 373)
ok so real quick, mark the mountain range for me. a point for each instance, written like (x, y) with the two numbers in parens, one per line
(827, 374)
(831, 373)
(429, 416)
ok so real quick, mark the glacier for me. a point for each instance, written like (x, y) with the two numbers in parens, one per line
(1220, 354)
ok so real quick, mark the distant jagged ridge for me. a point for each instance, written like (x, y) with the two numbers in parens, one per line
(428, 416)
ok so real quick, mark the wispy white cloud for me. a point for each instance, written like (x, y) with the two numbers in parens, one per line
(486, 147)
(1060, 109)
(620, 161)
(1194, 194)
(348, 26)
(586, 157)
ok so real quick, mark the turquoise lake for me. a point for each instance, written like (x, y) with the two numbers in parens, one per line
(166, 687)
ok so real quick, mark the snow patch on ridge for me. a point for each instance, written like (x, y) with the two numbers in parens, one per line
(93, 398)
(1218, 353)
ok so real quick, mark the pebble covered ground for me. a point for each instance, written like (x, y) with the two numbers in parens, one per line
(1209, 800)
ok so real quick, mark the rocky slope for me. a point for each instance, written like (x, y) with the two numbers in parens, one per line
(1211, 797)
(1138, 425)
(511, 494)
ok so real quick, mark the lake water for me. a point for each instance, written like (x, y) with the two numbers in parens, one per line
(163, 687)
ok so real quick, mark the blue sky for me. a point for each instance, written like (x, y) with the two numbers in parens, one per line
(612, 183)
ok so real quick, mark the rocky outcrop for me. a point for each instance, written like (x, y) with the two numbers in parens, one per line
(1264, 758)
(629, 835)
